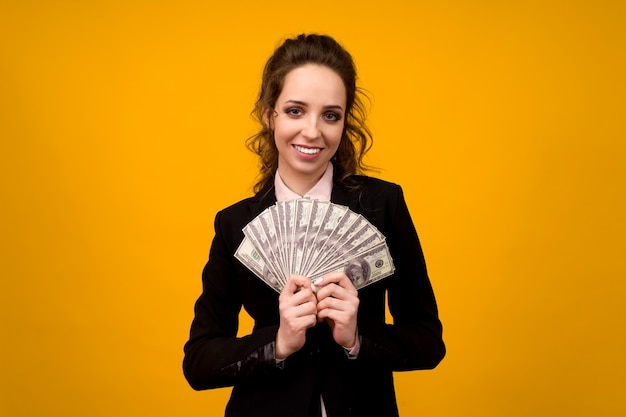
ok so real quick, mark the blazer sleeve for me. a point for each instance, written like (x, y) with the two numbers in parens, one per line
(414, 339)
(214, 355)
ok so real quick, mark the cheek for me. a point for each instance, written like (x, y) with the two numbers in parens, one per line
(333, 134)
(338, 134)
(285, 131)
(278, 136)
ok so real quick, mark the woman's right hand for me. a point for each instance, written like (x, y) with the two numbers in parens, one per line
(297, 306)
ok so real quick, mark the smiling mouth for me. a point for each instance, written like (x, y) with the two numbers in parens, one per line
(307, 151)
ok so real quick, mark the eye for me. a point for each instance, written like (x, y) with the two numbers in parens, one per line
(332, 116)
(294, 111)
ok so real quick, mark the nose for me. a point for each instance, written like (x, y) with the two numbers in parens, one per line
(311, 129)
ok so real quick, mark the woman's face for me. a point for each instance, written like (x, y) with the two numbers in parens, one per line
(308, 122)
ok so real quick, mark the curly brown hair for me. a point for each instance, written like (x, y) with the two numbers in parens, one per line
(356, 139)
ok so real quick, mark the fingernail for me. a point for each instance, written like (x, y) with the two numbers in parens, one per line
(316, 281)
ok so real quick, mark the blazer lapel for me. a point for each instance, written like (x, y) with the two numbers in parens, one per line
(263, 199)
(345, 197)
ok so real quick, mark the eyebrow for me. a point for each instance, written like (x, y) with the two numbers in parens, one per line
(302, 103)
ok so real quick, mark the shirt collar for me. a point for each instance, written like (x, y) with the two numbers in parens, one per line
(320, 191)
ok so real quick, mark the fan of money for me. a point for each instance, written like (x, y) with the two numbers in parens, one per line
(313, 238)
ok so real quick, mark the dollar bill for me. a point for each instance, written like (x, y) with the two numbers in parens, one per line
(318, 214)
(342, 220)
(312, 238)
(254, 232)
(301, 225)
(369, 267)
(250, 257)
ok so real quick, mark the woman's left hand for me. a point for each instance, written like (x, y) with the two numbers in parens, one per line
(338, 304)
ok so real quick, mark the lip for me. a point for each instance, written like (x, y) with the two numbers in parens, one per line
(307, 155)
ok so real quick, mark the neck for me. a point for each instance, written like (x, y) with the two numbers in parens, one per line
(300, 184)
(300, 187)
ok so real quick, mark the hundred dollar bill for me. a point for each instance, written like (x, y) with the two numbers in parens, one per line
(311, 238)
(254, 232)
(248, 255)
(301, 224)
(273, 248)
(336, 215)
(367, 268)
(290, 219)
(278, 222)
(318, 212)
(357, 243)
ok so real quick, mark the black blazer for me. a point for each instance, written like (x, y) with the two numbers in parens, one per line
(215, 357)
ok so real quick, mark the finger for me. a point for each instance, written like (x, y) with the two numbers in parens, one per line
(336, 291)
(300, 310)
(349, 307)
(294, 294)
(331, 314)
(337, 317)
(315, 283)
(294, 283)
(306, 322)
(297, 324)
(340, 278)
(301, 303)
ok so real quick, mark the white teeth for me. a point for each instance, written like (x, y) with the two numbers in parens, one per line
(308, 151)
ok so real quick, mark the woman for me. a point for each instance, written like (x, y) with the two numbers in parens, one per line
(322, 348)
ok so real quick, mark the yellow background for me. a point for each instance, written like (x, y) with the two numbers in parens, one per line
(122, 126)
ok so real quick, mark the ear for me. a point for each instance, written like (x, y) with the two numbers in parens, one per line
(268, 118)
